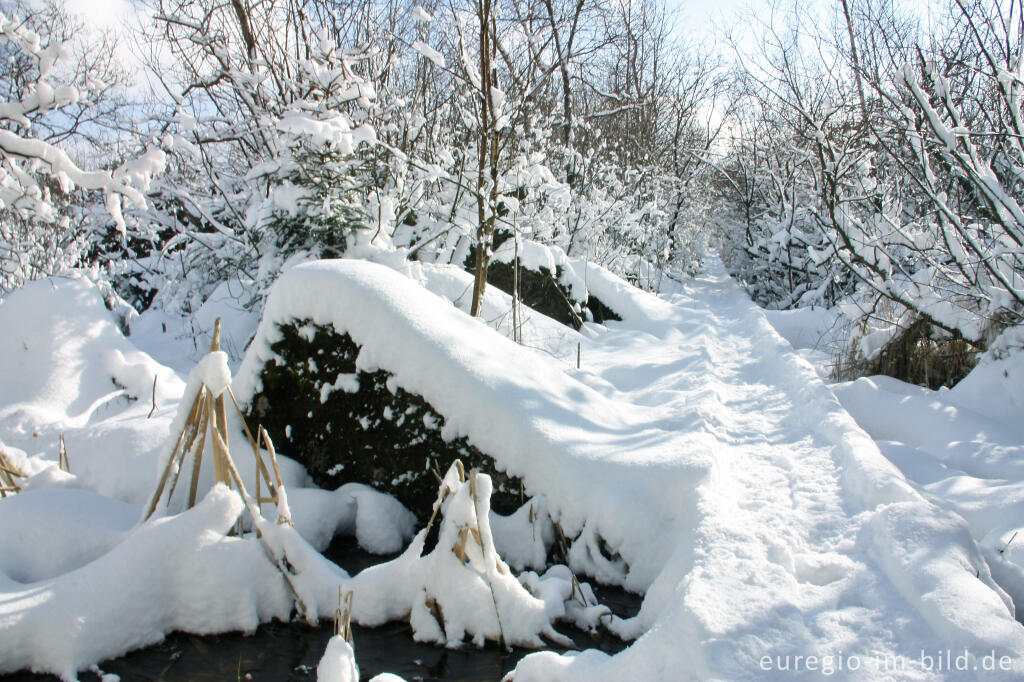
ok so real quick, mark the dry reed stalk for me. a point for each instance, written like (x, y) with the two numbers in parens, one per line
(261, 468)
(220, 469)
(153, 409)
(197, 462)
(195, 429)
(254, 511)
(218, 418)
(577, 588)
(443, 493)
(283, 515)
(435, 610)
(8, 472)
(460, 544)
(343, 615)
(182, 438)
(62, 455)
(273, 455)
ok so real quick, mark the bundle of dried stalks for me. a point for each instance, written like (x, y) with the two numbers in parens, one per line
(8, 472)
(207, 420)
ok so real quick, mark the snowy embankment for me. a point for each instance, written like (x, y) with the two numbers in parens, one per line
(694, 456)
(541, 422)
(963, 448)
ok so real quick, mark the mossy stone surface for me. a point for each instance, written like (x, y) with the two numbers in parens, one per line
(599, 312)
(540, 290)
(346, 425)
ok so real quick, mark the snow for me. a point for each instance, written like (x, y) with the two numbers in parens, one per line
(429, 52)
(462, 587)
(213, 372)
(420, 14)
(995, 388)
(536, 256)
(694, 456)
(817, 334)
(49, 532)
(179, 573)
(509, 414)
(336, 130)
(523, 538)
(697, 445)
(338, 663)
(960, 447)
(379, 522)
(69, 370)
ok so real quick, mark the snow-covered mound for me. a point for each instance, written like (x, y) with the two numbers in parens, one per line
(996, 386)
(539, 421)
(69, 370)
(180, 573)
(962, 447)
(48, 532)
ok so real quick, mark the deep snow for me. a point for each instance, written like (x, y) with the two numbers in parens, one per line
(727, 480)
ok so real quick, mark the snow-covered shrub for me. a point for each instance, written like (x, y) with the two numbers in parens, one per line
(915, 352)
(269, 164)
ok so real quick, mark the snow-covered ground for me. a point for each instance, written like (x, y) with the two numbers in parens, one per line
(694, 456)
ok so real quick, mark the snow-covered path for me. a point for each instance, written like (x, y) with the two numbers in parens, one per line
(810, 557)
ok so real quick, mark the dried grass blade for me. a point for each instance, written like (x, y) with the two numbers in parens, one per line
(197, 460)
(254, 512)
(62, 455)
(170, 460)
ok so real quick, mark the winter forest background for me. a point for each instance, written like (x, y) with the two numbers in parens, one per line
(861, 153)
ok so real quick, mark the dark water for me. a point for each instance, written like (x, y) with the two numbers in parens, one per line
(291, 651)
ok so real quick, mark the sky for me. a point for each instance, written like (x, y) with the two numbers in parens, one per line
(101, 13)
(698, 16)
(698, 20)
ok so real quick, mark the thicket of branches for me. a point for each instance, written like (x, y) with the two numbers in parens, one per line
(876, 159)
(869, 152)
(320, 128)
